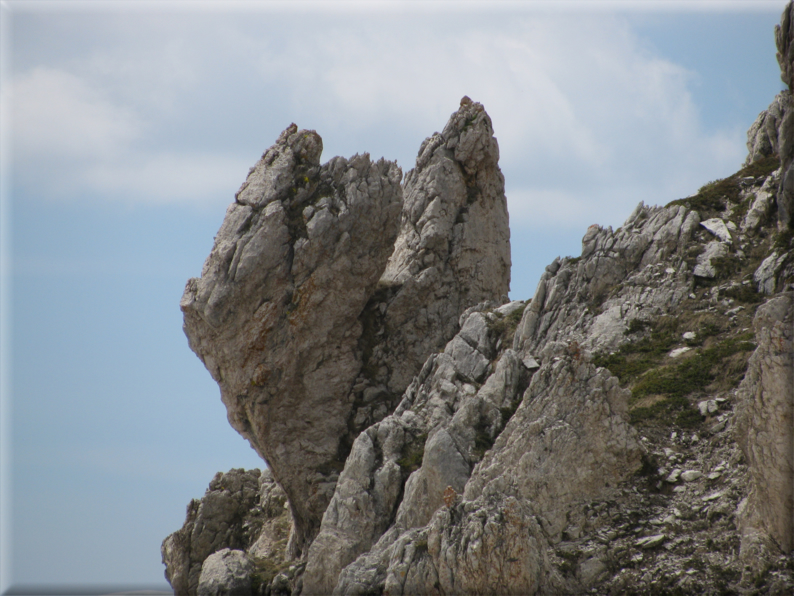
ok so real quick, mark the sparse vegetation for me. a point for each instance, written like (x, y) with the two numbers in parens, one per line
(483, 440)
(412, 455)
(505, 326)
(265, 570)
(747, 293)
(660, 387)
(712, 198)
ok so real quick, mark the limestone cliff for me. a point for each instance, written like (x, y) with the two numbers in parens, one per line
(627, 430)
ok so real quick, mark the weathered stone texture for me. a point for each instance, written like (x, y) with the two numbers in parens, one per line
(453, 250)
(763, 135)
(360, 335)
(578, 299)
(226, 573)
(307, 336)
(398, 469)
(784, 38)
(275, 314)
(568, 441)
(230, 515)
(765, 432)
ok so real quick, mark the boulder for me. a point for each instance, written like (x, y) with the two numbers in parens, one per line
(226, 573)
(231, 514)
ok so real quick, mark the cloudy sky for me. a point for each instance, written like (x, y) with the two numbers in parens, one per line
(128, 127)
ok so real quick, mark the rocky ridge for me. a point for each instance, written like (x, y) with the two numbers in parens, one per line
(628, 430)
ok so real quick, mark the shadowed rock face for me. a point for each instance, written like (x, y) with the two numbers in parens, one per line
(275, 314)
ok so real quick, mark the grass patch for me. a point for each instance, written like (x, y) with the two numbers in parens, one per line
(636, 326)
(762, 167)
(694, 373)
(264, 572)
(660, 387)
(712, 198)
(633, 359)
(483, 440)
(727, 266)
(505, 326)
(784, 241)
(412, 455)
(747, 293)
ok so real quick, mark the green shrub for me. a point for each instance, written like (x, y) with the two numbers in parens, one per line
(412, 455)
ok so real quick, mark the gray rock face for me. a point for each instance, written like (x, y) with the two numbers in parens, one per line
(231, 514)
(433, 439)
(226, 573)
(577, 299)
(763, 135)
(714, 250)
(784, 34)
(766, 276)
(765, 431)
(399, 468)
(493, 535)
(784, 38)
(761, 206)
(310, 340)
(275, 314)
(568, 440)
(453, 250)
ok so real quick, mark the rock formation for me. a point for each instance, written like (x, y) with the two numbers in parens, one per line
(242, 510)
(784, 39)
(294, 317)
(453, 250)
(627, 430)
(275, 314)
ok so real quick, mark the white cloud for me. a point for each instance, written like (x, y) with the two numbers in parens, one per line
(583, 111)
(170, 178)
(57, 115)
(70, 139)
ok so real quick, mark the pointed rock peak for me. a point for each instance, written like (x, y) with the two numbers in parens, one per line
(295, 155)
(453, 250)
(784, 35)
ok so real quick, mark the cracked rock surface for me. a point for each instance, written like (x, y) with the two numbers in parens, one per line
(765, 430)
(275, 314)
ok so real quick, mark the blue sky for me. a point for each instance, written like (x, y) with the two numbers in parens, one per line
(127, 128)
